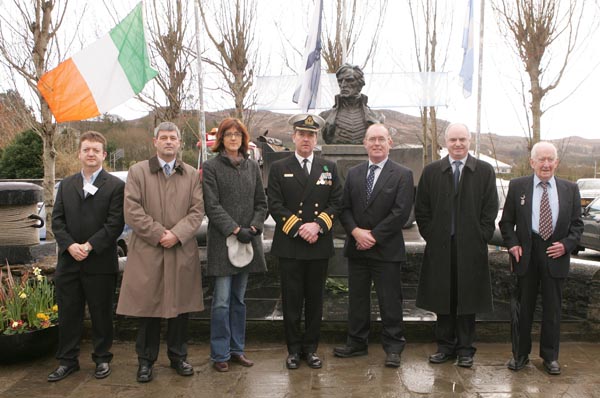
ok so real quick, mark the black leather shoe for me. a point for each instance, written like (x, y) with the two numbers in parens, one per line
(292, 361)
(517, 364)
(182, 368)
(313, 361)
(465, 362)
(349, 351)
(144, 373)
(552, 367)
(102, 370)
(62, 371)
(441, 357)
(392, 360)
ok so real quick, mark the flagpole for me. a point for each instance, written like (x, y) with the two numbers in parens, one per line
(479, 78)
(201, 116)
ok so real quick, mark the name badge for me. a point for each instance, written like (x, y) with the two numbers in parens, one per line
(288, 175)
(90, 189)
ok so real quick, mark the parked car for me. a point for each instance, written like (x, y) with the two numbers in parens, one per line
(589, 189)
(590, 239)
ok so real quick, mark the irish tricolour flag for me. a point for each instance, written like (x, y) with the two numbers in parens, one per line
(101, 76)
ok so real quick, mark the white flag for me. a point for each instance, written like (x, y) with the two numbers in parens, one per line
(306, 93)
(466, 71)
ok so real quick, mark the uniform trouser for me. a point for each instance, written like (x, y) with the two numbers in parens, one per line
(302, 284)
(388, 286)
(73, 290)
(455, 333)
(537, 274)
(148, 339)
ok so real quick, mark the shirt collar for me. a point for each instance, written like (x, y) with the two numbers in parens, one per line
(380, 164)
(536, 181)
(162, 163)
(300, 158)
(94, 175)
(463, 160)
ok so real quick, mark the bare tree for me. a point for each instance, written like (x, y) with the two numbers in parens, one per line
(426, 21)
(349, 26)
(544, 34)
(27, 44)
(231, 29)
(171, 49)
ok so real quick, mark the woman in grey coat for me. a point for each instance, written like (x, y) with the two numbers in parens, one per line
(235, 204)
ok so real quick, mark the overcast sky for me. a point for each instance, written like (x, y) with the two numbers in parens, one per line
(502, 111)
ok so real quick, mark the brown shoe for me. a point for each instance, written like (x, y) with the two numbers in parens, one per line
(221, 366)
(242, 360)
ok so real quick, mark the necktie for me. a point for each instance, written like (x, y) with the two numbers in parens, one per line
(456, 174)
(545, 226)
(370, 180)
(167, 169)
(305, 167)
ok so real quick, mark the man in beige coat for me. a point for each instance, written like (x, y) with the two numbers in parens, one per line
(164, 207)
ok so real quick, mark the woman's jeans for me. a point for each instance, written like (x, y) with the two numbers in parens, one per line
(228, 317)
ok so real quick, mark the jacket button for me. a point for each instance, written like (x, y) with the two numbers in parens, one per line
(299, 211)
(300, 204)
(316, 205)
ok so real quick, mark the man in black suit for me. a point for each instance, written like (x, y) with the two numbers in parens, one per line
(378, 197)
(305, 196)
(541, 224)
(86, 221)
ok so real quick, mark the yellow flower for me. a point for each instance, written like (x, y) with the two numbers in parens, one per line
(55, 308)
(37, 271)
(42, 316)
(23, 295)
(39, 278)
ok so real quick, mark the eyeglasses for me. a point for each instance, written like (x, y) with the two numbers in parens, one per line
(379, 140)
(231, 134)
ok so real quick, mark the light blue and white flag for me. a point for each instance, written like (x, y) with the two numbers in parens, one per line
(466, 71)
(308, 89)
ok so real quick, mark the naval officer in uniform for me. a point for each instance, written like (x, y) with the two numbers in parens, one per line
(305, 196)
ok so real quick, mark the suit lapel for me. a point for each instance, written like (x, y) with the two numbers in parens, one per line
(77, 185)
(526, 197)
(362, 181)
(385, 173)
(294, 168)
(563, 204)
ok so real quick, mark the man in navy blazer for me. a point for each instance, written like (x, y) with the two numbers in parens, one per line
(87, 220)
(538, 259)
(378, 197)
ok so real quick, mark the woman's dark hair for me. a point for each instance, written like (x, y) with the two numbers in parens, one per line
(225, 125)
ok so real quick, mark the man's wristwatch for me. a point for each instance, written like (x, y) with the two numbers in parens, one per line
(87, 248)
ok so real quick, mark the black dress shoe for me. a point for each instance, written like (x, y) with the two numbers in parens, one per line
(349, 351)
(292, 361)
(144, 374)
(183, 368)
(517, 364)
(465, 362)
(441, 357)
(392, 360)
(552, 367)
(102, 370)
(313, 361)
(62, 371)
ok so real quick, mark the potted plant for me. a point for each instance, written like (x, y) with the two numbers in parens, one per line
(28, 314)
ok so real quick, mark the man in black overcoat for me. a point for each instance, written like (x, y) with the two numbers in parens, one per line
(86, 221)
(456, 209)
(304, 194)
(378, 197)
(541, 225)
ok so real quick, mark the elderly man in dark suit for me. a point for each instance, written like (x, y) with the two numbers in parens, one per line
(456, 208)
(87, 220)
(378, 197)
(305, 195)
(541, 224)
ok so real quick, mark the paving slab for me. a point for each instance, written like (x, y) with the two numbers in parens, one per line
(364, 376)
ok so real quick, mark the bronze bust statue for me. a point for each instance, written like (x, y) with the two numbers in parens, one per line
(348, 120)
